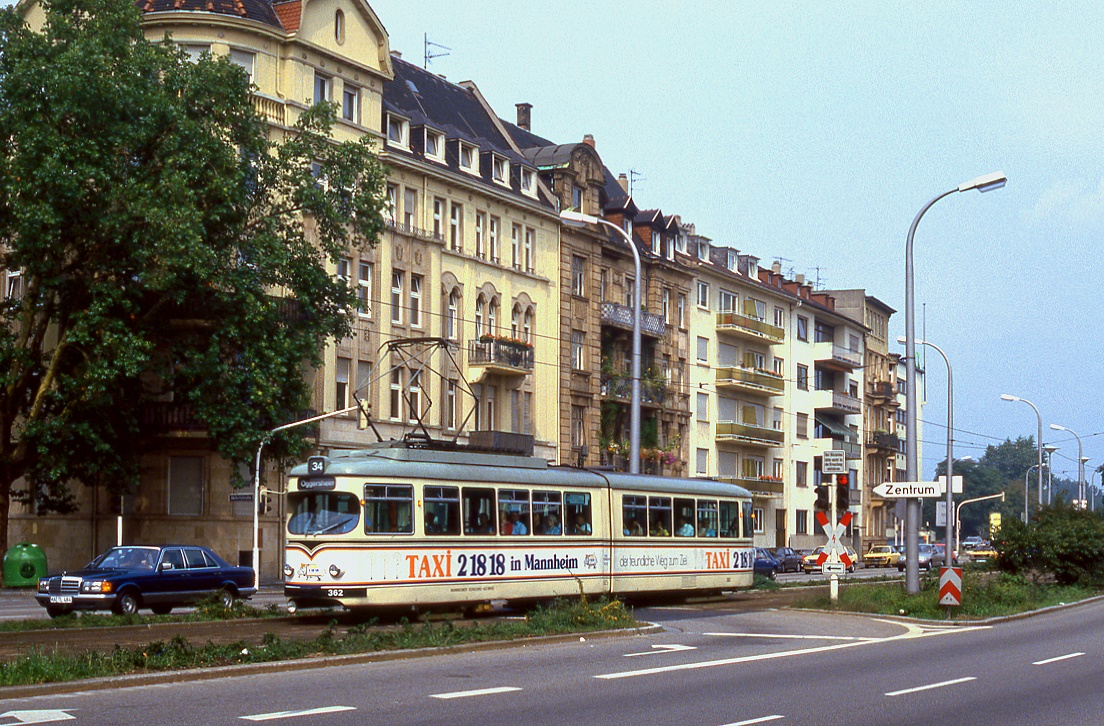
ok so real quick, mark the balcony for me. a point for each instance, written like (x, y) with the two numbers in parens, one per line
(621, 316)
(835, 356)
(756, 485)
(270, 109)
(749, 328)
(159, 417)
(751, 380)
(885, 441)
(732, 432)
(883, 393)
(501, 356)
(619, 387)
(834, 402)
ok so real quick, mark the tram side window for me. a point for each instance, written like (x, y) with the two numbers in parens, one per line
(634, 515)
(577, 513)
(684, 517)
(388, 509)
(749, 527)
(730, 519)
(707, 517)
(659, 516)
(442, 510)
(323, 513)
(513, 507)
(547, 514)
(479, 511)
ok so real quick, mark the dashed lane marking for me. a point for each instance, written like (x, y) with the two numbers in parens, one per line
(1057, 658)
(763, 719)
(930, 686)
(277, 715)
(480, 692)
(789, 637)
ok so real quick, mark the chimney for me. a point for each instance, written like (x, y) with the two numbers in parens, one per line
(589, 140)
(799, 279)
(776, 267)
(623, 181)
(523, 115)
(396, 54)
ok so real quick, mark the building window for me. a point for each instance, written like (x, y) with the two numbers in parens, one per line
(527, 327)
(801, 476)
(578, 427)
(339, 27)
(410, 208)
(398, 132)
(727, 302)
(703, 406)
(682, 312)
(578, 352)
(480, 305)
(322, 87)
(515, 323)
(667, 308)
(578, 275)
(492, 239)
(341, 380)
(451, 314)
(396, 394)
(657, 244)
(823, 332)
(702, 462)
(577, 199)
(456, 227)
(185, 485)
(450, 405)
(802, 425)
(344, 267)
(802, 524)
(703, 251)
(414, 394)
(803, 377)
(14, 288)
(245, 60)
(396, 297)
(467, 158)
(703, 295)
(416, 301)
(757, 520)
(392, 203)
(703, 349)
(630, 292)
(438, 218)
(434, 146)
(779, 366)
(500, 170)
(492, 317)
(603, 283)
(802, 328)
(364, 290)
(480, 226)
(780, 321)
(528, 182)
(777, 424)
(350, 103)
(515, 245)
(530, 239)
(853, 346)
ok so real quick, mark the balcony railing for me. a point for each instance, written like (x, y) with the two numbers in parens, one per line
(504, 355)
(747, 326)
(751, 379)
(755, 484)
(837, 356)
(622, 316)
(884, 440)
(837, 402)
(883, 389)
(620, 387)
(270, 109)
(749, 434)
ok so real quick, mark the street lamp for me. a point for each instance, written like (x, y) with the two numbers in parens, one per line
(1080, 462)
(986, 183)
(578, 219)
(1050, 449)
(1010, 397)
(1026, 475)
(958, 514)
(950, 438)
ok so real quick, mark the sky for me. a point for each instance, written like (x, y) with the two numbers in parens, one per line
(813, 133)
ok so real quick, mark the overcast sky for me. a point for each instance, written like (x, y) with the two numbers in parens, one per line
(814, 133)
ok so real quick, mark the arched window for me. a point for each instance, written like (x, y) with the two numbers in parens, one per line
(528, 326)
(339, 27)
(515, 323)
(451, 314)
(480, 304)
(492, 318)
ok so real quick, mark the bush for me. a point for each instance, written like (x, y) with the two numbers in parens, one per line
(1061, 542)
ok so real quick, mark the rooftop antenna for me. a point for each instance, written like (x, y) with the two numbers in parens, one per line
(819, 284)
(429, 54)
(633, 174)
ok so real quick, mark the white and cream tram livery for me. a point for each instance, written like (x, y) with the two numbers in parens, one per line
(396, 526)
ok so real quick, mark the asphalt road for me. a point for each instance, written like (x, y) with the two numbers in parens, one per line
(711, 665)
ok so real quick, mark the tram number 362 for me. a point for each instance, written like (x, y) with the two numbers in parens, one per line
(335, 592)
(480, 565)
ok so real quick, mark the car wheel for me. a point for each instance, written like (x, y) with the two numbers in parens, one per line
(226, 599)
(125, 604)
(55, 611)
(161, 609)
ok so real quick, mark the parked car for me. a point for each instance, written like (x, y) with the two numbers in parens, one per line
(791, 560)
(809, 561)
(924, 561)
(766, 564)
(126, 579)
(881, 556)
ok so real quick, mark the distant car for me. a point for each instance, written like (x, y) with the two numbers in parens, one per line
(766, 564)
(790, 560)
(941, 555)
(126, 579)
(924, 561)
(983, 553)
(809, 561)
(973, 542)
(881, 556)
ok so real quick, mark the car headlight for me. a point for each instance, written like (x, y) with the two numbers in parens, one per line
(44, 585)
(96, 586)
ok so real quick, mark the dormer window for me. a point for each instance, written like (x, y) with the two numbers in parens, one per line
(733, 261)
(434, 145)
(468, 155)
(398, 131)
(753, 269)
(680, 243)
(703, 251)
(500, 170)
(529, 182)
(657, 243)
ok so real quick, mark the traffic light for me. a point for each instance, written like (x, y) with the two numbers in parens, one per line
(264, 501)
(843, 491)
(822, 502)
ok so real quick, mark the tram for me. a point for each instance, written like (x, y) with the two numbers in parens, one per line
(399, 526)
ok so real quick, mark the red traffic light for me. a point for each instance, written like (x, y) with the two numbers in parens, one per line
(843, 480)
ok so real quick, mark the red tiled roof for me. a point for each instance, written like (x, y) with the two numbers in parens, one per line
(289, 14)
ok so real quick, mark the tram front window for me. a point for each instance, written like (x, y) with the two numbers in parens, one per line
(323, 513)
(730, 519)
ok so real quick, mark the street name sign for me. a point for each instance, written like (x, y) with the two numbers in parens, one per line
(834, 461)
(907, 489)
(956, 484)
(241, 496)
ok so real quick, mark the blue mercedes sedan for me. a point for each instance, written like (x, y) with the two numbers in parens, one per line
(127, 579)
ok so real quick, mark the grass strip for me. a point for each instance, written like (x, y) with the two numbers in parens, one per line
(206, 611)
(577, 616)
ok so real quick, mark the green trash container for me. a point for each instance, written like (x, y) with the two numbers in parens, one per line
(23, 565)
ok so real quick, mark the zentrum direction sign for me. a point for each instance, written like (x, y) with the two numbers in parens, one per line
(908, 489)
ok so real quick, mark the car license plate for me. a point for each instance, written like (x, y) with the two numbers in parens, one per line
(62, 599)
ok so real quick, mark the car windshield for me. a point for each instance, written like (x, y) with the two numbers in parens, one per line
(127, 558)
(323, 513)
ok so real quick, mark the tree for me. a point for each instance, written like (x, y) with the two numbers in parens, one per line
(138, 189)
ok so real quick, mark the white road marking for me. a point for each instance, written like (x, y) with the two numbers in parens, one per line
(931, 686)
(912, 632)
(764, 719)
(1058, 658)
(788, 637)
(480, 692)
(46, 716)
(276, 715)
(669, 648)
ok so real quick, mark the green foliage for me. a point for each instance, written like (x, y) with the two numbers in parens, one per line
(138, 188)
(1060, 541)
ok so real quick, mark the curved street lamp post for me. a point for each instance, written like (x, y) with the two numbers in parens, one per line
(1080, 463)
(1039, 442)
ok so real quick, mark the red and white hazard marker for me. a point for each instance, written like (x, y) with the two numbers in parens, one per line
(950, 585)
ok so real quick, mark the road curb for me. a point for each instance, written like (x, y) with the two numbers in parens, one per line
(252, 669)
(955, 623)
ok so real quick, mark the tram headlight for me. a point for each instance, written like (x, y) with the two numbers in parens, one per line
(336, 572)
(288, 570)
